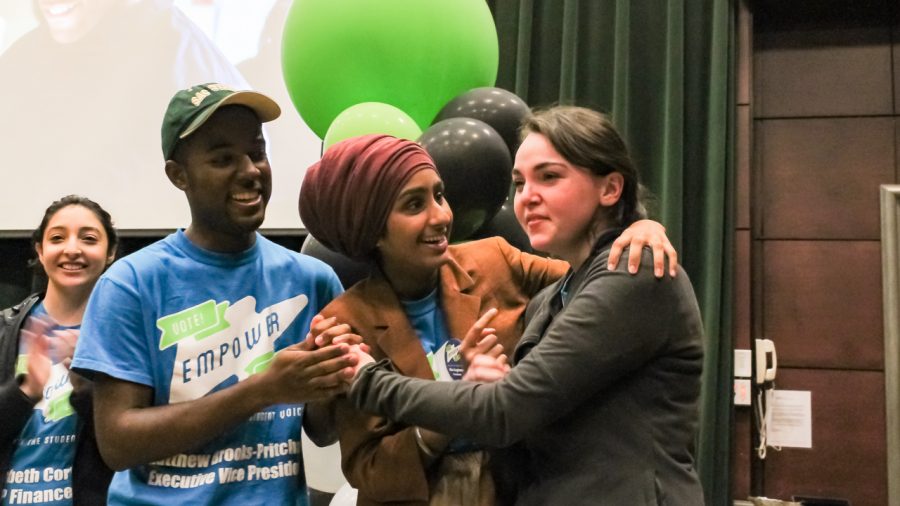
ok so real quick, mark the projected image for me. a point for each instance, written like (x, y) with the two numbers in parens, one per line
(86, 83)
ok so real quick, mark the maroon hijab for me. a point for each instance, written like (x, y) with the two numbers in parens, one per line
(346, 196)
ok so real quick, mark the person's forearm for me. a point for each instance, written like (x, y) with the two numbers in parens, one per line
(131, 431)
(571, 363)
(455, 408)
(139, 435)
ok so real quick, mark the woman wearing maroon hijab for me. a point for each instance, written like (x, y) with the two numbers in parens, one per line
(380, 199)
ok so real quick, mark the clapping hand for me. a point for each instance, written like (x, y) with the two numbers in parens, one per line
(34, 335)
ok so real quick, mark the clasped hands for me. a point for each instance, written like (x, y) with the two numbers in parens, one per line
(483, 354)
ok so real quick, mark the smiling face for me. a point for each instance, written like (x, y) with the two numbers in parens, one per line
(416, 237)
(74, 249)
(225, 174)
(71, 20)
(559, 204)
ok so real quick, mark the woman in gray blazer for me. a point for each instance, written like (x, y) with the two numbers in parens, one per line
(602, 403)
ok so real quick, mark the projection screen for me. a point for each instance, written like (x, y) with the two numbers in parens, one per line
(83, 87)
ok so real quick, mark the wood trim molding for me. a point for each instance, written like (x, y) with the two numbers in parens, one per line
(890, 261)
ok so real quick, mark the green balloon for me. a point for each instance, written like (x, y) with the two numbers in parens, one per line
(415, 55)
(371, 118)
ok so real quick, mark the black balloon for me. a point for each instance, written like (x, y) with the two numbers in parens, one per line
(349, 271)
(501, 109)
(475, 165)
(505, 225)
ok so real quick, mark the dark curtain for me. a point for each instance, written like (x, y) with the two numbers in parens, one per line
(663, 70)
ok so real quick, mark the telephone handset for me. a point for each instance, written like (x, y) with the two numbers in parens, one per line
(766, 361)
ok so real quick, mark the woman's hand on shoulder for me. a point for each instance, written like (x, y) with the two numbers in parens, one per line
(645, 233)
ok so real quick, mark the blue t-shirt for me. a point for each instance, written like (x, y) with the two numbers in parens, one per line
(188, 322)
(427, 318)
(41, 466)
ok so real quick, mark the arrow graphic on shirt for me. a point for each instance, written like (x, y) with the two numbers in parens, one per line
(217, 341)
(59, 408)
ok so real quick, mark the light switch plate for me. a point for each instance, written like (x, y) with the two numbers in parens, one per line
(743, 363)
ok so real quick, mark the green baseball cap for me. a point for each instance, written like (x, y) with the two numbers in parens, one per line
(191, 107)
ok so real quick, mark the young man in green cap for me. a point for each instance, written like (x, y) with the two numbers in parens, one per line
(197, 341)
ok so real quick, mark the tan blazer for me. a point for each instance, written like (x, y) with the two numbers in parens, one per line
(378, 457)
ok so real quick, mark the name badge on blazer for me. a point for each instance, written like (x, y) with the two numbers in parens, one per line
(447, 362)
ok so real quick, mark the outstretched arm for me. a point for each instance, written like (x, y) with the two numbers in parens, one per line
(130, 431)
(598, 339)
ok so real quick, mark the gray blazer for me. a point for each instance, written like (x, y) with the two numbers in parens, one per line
(603, 397)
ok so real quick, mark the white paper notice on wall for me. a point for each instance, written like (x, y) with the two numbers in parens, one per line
(791, 422)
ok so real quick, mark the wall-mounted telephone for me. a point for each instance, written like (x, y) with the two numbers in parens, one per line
(766, 361)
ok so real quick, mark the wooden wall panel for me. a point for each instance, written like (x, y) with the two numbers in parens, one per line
(847, 459)
(819, 177)
(825, 100)
(823, 58)
(822, 303)
(897, 73)
(740, 454)
(742, 155)
(895, 36)
(742, 301)
(741, 324)
(744, 54)
(897, 143)
(815, 73)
